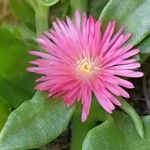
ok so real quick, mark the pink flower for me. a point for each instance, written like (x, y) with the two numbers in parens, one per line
(80, 61)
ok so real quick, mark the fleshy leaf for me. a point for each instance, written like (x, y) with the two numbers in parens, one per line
(4, 112)
(35, 123)
(145, 49)
(23, 12)
(118, 133)
(49, 2)
(60, 10)
(95, 7)
(16, 84)
(133, 114)
(132, 14)
(96, 115)
(145, 45)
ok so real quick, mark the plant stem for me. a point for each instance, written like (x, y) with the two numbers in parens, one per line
(41, 17)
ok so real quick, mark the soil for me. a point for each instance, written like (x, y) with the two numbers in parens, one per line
(60, 143)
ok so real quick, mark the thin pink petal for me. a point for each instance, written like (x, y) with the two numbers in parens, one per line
(80, 59)
(86, 98)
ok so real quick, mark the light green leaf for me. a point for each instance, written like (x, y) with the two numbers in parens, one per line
(104, 136)
(132, 14)
(16, 84)
(35, 123)
(49, 2)
(80, 5)
(133, 114)
(118, 133)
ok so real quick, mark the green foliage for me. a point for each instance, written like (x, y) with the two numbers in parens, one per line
(91, 132)
(132, 14)
(96, 6)
(24, 12)
(16, 84)
(4, 112)
(49, 2)
(60, 10)
(96, 115)
(135, 117)
(39, 120)
(145, 45)
(80, 5)
(117, 133)
(145, 49)
(36, 122)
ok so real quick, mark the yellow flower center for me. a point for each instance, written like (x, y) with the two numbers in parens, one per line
(86, 66)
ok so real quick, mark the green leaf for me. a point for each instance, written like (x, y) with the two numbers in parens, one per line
(4, 112)
(103, 136)
(80, 5)
(118, 133)
(24, 12)
(35, 123)
(59, 10)
(145, 45)
(145, 49)
(96, 115)
(132, 14)
(16, 84)
(95, 7)
(133, 114)
(48, 2)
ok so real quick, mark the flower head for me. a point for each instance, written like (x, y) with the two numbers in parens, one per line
(80, 61)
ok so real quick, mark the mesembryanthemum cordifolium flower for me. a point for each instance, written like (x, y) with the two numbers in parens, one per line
(79, 61)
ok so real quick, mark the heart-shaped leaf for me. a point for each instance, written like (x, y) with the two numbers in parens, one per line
(132, 14)
(35, 123)
(118, 133)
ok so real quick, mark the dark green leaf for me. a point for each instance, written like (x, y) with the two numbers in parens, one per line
(96, 116)
(145, 45)
(59, 10)
(4, 112)
(118, 133)
(96, 6)
(132, 14)
(35, 123)
(145, 49)
(49, 2)
(24, 12)
(16, 84)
